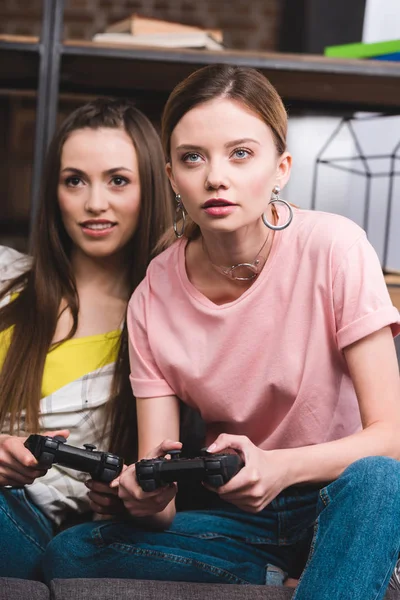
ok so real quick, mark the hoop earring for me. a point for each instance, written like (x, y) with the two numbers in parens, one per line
(179, 209)
(275, 198)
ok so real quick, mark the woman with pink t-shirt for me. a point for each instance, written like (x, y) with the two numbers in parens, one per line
(276, 325)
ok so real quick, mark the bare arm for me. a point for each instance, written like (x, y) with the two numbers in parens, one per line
(158, 419)
(158, 430)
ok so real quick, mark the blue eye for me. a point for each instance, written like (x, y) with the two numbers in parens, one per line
(191, 157)
(241, 153)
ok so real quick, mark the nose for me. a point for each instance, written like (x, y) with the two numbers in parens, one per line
(216, 177)
(96, 200)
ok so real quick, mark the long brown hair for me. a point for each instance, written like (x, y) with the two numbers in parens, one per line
(244, 84)
(34, 312)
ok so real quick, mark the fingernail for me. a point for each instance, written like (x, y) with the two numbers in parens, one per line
(211, 448)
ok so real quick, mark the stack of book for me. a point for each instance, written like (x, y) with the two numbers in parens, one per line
(389, 50)
(142, 31)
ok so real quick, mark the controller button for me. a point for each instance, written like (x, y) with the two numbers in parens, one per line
(50, 445)
(215, 480)
(59, 438)
(89, 446)
(112, 460)
(146, 470)
(108, 475)
(148, 486)
(214, 465)
(46, 459)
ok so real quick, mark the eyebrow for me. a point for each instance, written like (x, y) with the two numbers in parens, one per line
(227, 145)
(108, 172)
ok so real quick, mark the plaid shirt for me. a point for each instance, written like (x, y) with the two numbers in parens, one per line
(78, 406)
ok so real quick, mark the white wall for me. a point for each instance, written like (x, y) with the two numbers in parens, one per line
(341, 192)
(381, 20)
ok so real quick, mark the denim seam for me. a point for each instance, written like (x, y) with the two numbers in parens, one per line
(99, 541)
(324, 495)
(293, 539)
(256, 540)
(225, 575)
(212, 535)
(312, 546)
(97, 537)
(30, 538)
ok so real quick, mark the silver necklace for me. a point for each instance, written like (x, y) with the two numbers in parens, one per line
(254, 267)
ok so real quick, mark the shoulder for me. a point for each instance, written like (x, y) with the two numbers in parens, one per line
(326, 235)
(12, 263)
(166, 261)
(160, 275)
(328, 227)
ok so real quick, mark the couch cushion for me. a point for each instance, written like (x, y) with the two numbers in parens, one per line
(130, 589)
(22, 589)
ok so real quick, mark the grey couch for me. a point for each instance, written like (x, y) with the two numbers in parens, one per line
(126, 589)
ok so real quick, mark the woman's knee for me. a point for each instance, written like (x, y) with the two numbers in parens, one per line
(374, 477)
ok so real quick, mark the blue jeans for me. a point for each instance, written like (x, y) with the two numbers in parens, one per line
(350, 531)
(25, 533)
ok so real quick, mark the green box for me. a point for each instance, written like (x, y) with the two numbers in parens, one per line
(361, 50)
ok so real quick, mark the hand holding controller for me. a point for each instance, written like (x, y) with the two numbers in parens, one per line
(213, 469)
(101, 466)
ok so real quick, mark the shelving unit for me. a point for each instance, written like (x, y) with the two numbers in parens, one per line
(51, 66)
(303, 80)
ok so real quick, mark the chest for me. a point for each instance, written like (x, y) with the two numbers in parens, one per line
(97, 314)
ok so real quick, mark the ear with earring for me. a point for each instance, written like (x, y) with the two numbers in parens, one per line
(180, 215)
(275, 198)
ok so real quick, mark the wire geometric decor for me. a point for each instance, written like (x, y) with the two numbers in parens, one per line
(361, 164)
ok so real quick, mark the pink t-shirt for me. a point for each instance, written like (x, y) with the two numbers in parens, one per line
(270, 364)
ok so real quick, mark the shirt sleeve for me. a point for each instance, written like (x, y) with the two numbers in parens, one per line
(146, 378)
(361, 299)
(12, 264)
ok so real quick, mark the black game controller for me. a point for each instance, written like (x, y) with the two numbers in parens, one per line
(213, 469)
(101, 466)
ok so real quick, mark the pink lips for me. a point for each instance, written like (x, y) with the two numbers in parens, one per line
(218, 207)
(217, 202)
(97, 228)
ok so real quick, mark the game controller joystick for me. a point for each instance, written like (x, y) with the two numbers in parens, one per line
(101, 466)
(213, 469)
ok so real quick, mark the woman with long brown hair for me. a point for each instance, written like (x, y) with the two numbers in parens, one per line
(276, 324)
(64, 365)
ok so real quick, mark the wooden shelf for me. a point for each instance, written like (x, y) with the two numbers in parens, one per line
(302, 80)
(19, 62)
